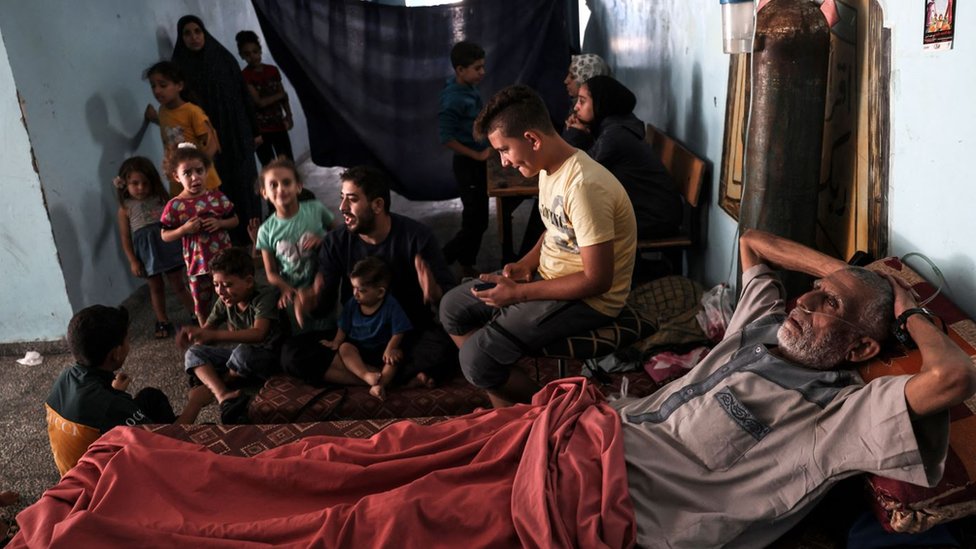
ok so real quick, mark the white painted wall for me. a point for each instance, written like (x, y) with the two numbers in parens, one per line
(78, 67)
(932, 193)
(670, 53)
(33, 301)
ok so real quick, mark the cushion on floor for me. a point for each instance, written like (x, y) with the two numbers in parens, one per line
(629, 327)
(904, 507)
(285, 399)
(282, 398)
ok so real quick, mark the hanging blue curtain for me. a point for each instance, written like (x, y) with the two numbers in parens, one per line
(369, 76)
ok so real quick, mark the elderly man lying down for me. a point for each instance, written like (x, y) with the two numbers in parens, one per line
(733, 454)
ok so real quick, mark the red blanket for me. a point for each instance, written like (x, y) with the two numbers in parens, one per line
(549, 474)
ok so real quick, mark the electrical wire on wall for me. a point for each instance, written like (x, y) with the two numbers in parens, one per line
(943, 283)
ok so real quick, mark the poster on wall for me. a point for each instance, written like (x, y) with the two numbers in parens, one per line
(940, 16)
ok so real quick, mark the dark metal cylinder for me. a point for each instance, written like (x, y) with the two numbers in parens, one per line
(785, 137)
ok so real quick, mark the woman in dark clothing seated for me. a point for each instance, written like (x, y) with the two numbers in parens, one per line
(610, 133)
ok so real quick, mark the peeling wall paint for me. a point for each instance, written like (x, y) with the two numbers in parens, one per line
(80, 73)
(33, 300)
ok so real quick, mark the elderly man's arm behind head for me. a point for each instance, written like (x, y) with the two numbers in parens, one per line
(947, 376)
(757, 247)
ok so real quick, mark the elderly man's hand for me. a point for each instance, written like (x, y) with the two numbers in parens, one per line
(905, 297)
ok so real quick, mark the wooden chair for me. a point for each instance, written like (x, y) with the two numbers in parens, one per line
(688, 173)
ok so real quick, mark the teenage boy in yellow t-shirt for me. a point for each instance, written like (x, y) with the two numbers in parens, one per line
(576, 278)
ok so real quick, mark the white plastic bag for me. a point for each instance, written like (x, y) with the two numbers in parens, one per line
(32, 358)
(716, 312)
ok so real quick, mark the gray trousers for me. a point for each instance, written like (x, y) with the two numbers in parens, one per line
(504, 335)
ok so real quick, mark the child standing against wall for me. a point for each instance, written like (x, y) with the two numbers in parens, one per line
(460, 105)
(141, 199)
(273, 111)
(371, 327)
(200, 218)
(179, 121)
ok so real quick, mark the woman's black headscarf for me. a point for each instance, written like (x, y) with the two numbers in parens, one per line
(610, 98)
(214, 79)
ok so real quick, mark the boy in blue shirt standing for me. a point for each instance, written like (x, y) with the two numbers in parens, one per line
(460, 105)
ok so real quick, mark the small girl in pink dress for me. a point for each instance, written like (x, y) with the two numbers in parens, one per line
(200, 218)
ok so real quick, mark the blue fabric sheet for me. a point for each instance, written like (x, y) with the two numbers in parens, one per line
(369, 75)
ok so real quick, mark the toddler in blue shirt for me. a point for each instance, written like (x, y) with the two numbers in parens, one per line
(371, 327)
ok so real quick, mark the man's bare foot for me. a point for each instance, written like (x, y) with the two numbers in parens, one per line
(372, 378)
(378, 391)
(227, 395)
(201, 395)
(422, 380)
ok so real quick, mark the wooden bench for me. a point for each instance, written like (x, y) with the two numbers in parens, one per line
(688, 173)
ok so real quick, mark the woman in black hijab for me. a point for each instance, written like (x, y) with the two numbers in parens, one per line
(614, 137)
(214, 79)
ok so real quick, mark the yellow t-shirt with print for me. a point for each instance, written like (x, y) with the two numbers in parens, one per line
(183, 125)
(583, 204)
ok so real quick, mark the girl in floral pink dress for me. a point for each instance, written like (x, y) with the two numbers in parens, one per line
(201, 219)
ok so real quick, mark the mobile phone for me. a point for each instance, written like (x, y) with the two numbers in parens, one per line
(482, 286)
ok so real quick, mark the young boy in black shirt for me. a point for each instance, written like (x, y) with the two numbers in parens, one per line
(89, 398)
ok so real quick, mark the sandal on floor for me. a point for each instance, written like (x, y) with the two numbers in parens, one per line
(233, 411)
(164, 330)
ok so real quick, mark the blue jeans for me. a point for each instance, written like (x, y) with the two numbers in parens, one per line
(246, 360)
